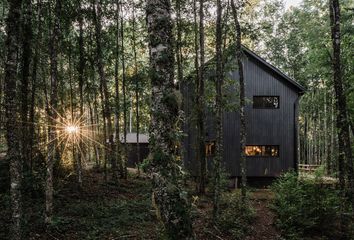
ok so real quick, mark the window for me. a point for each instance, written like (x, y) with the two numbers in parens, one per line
(262, 150)
(265, 102)
(210, 148)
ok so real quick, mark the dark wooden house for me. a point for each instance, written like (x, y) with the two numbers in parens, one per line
(271, 117)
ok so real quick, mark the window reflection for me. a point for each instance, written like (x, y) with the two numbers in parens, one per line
(262, 150)
(265, 102)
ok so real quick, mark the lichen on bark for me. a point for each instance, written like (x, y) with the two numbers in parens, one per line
(168, 196)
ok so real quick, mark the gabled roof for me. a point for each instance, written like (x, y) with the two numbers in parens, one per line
(230, 51)
(252, 54)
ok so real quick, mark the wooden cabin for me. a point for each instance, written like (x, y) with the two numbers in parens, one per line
(271, 116)
(132, 148)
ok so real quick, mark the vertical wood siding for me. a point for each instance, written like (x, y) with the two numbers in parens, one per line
(264, 126)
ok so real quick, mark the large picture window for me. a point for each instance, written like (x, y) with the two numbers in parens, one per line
(262, 150)
(266, 102)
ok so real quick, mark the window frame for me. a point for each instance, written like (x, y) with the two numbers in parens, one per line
(262, 156)
(264, 96)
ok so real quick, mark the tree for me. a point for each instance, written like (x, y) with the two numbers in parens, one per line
(81, 69)
(219, 112)
(200, 104)
(104, 88)
(345, 153)
(137, 79)
(124, 92)
(170, 200)
(12, 126)
(242, 98)
(116, 85)
(52, 112)
(26, 63)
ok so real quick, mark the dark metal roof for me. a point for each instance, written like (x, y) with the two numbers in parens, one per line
(231, 50)
(273, 68)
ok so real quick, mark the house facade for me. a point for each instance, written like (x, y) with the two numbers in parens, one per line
(271, 122)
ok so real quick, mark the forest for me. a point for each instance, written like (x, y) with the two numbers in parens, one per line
(93, 119)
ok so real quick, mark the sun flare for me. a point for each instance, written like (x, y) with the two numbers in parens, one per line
(72, 129)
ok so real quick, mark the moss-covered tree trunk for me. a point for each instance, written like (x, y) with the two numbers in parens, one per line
(11, 113)
(169, 198)
(242, 99)
(219, 113)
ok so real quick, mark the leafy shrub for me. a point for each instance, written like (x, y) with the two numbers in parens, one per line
(305, 207)
(236, 216)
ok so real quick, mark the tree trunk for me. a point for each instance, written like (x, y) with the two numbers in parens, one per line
(137, 79)
(11, 113)
(124, 90)
(117, 98)
(37, 54)
(171, 205)
(81, 69)
(52, 112)
(26, 62)
(345, 160)
(105, 92)
(219, 113)
(242, 100)
(179, 55)
(201, 104)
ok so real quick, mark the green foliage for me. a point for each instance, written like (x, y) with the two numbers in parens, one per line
(306, 207)
(236, 215)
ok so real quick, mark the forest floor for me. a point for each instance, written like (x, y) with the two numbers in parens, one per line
(107, 211)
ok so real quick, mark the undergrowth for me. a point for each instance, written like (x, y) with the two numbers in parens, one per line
(306, 207)
(236, 215)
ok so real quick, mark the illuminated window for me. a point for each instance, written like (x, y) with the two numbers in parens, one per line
(265, 102)
(210, 148)
(262, 150)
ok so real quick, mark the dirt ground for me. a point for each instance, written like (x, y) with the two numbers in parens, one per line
(264, 228)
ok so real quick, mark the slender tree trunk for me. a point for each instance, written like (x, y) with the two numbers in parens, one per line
(106, 147)
(26, 62)
(52, 112)
(117, 97)
(345, 160)
(219, 113)
(37, 54)
(179, 55)
(201, 103)
(137, 79)
(242, 100)
(81, 69)
(196, 83)
(105, 92)
(97, 123)
(124, 91)
(172, 207)
(11, 112)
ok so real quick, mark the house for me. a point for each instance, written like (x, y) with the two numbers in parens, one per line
(271, 116)
(132, 147)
